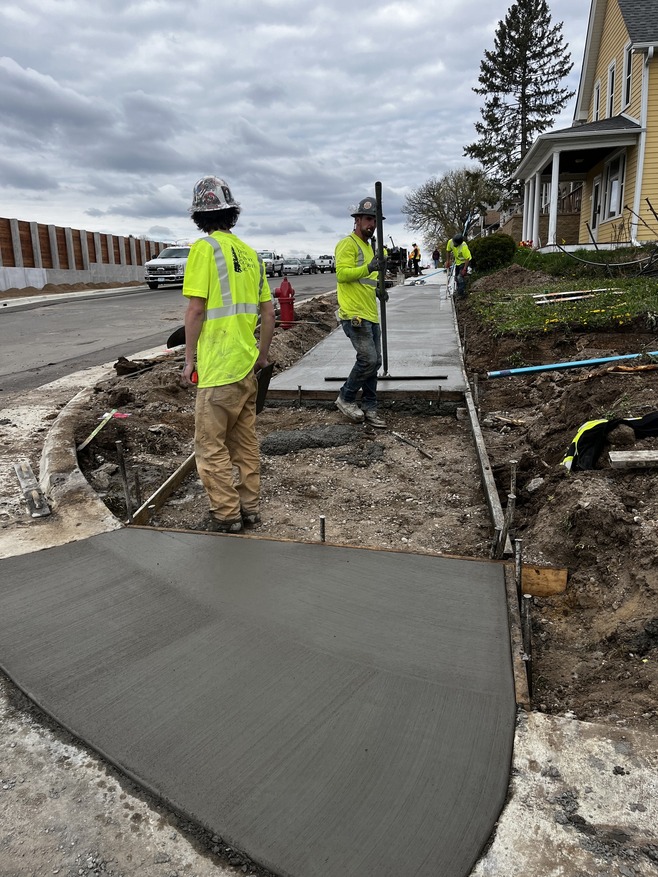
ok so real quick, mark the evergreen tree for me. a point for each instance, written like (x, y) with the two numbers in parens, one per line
(439, 208)
(520, 79)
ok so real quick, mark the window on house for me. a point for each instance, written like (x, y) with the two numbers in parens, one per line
(628, 75)
(611, 89)
(597, 101)
(614, 186)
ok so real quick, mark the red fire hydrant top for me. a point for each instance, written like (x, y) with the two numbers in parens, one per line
(285, 290)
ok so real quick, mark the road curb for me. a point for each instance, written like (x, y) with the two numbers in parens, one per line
(60, 477)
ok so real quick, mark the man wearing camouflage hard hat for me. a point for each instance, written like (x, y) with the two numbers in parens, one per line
(227, 290)
(357, 269)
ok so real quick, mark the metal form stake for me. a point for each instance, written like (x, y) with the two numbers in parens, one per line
(299, 395)
(476, 395)
(124, 479)
(518, 568)
(507, 523)
(512, 468)
(322, 519)
(495, 541)
(138, 487)
(526, 628)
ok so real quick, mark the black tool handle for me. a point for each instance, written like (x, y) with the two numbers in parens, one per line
(381, 279)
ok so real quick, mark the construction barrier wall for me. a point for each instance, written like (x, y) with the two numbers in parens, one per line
(32, 254)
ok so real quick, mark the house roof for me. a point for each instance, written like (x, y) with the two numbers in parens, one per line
(580, 146)
(641, 21)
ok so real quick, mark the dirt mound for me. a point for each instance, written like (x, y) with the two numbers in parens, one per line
(512, 277)
(596, 651)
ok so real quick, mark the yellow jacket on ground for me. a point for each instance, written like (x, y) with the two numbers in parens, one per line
(228, 274)
(356, 286)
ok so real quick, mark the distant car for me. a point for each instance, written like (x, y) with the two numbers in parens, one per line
(325, 263)
(293, 266)
(167, 267)
(273, 263)
(309, 266)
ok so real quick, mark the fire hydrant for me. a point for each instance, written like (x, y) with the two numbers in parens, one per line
(286, 295)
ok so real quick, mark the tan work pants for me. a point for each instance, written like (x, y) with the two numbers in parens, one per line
(225, 436)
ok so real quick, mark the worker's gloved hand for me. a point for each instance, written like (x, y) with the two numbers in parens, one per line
(382, 295)
(375, 265)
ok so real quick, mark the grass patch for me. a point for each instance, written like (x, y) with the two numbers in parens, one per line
(585, 263)
(515, 311)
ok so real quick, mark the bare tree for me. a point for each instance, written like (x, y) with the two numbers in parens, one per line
(440, 207)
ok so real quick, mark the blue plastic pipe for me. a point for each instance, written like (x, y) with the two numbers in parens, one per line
(506, 372)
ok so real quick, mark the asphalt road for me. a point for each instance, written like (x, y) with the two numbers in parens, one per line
(44, 341)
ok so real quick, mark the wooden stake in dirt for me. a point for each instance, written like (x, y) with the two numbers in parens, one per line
(157, 499)
(100, 426)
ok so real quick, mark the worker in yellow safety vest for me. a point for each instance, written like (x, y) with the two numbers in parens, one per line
(357, 271)
(459, 256)
(226, 289)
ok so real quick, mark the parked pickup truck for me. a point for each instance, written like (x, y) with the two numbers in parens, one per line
(167, 267)
(273, 263)
(325, 263)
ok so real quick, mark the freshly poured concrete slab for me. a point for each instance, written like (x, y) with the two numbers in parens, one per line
(423, 352)
(329, 711)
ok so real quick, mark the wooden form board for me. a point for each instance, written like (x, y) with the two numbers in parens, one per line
(542, 581)
(634, 459)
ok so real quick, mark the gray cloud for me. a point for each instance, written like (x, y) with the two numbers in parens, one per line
(115, 110)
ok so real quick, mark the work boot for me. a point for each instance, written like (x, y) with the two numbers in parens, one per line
(232, 526)
(250, 519)
(349, 409)
(373, 418)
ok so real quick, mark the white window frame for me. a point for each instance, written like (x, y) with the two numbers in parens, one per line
(610, 102)
(597, 101)
(614, 181)
(628, 76)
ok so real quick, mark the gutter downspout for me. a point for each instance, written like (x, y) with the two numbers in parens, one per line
(641, 148)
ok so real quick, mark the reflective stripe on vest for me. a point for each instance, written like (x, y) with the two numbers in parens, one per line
(361, 260)
(222, 271)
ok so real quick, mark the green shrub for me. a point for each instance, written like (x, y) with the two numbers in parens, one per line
(493, 252)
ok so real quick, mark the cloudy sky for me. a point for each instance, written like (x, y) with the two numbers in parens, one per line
(111, 111)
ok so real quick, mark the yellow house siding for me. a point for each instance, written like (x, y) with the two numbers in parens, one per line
(613, 41)
(650, 174)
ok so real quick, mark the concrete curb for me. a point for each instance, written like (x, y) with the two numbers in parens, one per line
(60, 476)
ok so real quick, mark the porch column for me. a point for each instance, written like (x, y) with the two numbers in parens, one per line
(555, 192)
(536, 210)
(526, 210)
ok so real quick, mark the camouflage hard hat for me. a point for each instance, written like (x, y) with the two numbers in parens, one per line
(211, 193)
(366, 207)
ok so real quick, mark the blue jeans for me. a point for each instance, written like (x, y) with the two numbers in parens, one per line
(460, 282)
(367, 341)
